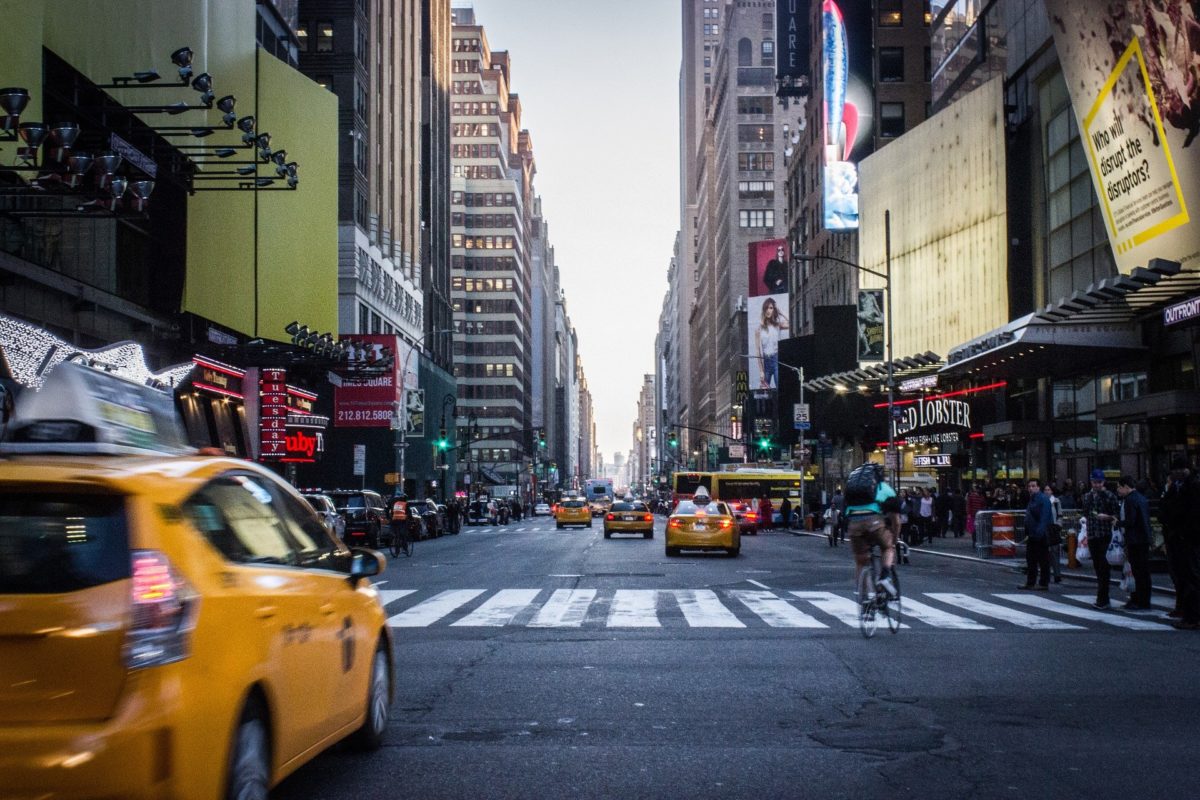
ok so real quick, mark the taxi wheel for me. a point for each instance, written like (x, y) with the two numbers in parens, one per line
(250, 756)
(672, 551)
(648, 535)
(607, 534)
(733, 551)
(370, 735)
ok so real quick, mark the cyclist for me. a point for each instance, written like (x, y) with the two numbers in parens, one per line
(876, 521)
(402, 521)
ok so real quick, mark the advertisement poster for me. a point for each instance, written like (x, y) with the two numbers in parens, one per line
(846, 69)
(1133, 71)
(870, 325)
(792, 44)
(768, 267)
(767, 323)
(369, 402)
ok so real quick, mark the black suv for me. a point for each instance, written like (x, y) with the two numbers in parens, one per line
(366, 516)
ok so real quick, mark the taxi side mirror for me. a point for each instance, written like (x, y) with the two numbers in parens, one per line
(365, 563)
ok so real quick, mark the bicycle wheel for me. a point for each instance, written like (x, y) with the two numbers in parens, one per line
(892, 607)
(395, 546)
(406, 543)
(866, 601)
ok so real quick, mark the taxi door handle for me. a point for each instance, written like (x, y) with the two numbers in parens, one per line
(328, 609)
(265, 612)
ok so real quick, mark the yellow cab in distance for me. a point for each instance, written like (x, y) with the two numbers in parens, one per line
(572, 511)
(171, 624)
(702, 523)
(629, 516)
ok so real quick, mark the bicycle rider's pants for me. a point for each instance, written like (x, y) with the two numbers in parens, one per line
(867, 530)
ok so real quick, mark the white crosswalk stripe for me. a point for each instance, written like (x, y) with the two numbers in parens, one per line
(996, 611)
(1156, 611)
(738, 609)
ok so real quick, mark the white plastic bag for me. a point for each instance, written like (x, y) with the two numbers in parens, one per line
(1116, 549)
(1127, 582)
(1082, 554)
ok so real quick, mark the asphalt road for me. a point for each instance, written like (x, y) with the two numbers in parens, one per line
(537, 663)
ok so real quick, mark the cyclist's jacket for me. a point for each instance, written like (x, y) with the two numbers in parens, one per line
(882, 493)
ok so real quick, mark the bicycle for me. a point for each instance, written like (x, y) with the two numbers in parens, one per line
(871, 603)
(401, 543)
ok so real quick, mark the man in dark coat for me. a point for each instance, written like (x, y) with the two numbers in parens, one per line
(1135, 525)
(1038, 516)
(1180, 507)
(1100, 508)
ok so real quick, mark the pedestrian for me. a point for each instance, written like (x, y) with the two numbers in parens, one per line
(1180, 507)
(1054, 536)
(839, 510)
(766, 514)
(1135, 525)
(958, 512)
(1100, 508)
(925, 517)
(942, 502)
(1038, 516)
(974, 504)
(785, 512)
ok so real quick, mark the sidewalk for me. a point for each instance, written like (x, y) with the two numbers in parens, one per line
(963, 547)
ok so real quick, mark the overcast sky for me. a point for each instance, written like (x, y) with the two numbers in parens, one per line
(599, 87)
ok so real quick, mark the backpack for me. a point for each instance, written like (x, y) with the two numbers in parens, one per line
(861, 486)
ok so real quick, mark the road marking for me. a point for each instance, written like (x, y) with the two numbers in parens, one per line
(1160, 612)
(842, 608)
(775, 611)
(566, 608)
(756, 583)
(434, 608)
(389, 596)
(500, 608)
(634, 608)
(1004, 613)
(1108, 618)
(938, 618)
(702, 609)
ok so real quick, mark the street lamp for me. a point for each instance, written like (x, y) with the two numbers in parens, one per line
(402, 437)
(886, 276)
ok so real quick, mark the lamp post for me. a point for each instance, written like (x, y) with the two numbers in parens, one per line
(886, 276)
(402, 435)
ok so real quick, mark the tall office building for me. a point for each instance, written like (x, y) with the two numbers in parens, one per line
(492, 201)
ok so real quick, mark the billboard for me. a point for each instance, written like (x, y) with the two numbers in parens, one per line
(848, 112)
(1131, 68)
(768, 267)
(369, 402)
(792, 46)
(870, 325)
(766, 323)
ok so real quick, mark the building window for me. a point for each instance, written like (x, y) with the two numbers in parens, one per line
(891, 64)
(756, 218)
(302, 36)
(891, 120)
(768, 21)
(756, 162)
(756, 133)
(890, 15)
(768, 53)
(707, 62)
(745, 53)
(325, 82)
(755, 104)
(324, 37)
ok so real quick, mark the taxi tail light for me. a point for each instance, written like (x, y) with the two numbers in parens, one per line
(648, 518)
(674, 523)
(751, 515)
(726, 523)
(610, 517)
(162, 612)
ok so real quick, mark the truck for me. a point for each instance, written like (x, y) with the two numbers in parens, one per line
(599, 495)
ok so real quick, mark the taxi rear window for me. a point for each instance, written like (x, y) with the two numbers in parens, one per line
(623, 507)
(61, 542)
(573, 504)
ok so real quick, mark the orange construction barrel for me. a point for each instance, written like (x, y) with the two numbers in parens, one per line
(1004, 543)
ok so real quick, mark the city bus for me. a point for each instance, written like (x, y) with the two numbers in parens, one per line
(746, 484)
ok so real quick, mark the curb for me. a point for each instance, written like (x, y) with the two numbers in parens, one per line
(993, 562)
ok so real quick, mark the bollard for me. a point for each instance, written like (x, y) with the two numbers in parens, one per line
(1004, 544)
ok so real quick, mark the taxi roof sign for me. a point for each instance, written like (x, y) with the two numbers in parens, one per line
(83, 410)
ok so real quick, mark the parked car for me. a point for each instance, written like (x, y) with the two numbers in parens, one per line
(327, 511)
(434, 519)
(366, 516)
(746, 516)
(483, 512)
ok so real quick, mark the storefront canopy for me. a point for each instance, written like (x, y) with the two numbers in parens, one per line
(921, 363)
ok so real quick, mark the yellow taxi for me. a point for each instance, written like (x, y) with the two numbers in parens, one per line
(702, 523)
(629, 516)
(572, 511)
(171, 624)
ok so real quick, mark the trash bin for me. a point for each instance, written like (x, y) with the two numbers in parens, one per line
(1004, 542)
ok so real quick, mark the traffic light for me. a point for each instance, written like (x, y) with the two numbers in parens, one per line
(442, 442)
(764, 443)
(673, 439)
(541, 438)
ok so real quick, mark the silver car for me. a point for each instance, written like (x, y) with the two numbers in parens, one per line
(334, 522)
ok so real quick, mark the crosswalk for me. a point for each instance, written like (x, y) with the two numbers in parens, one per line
(647, 609)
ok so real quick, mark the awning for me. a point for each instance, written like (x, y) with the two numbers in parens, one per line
(922, 363)
(1032, 348)
(1151, 406)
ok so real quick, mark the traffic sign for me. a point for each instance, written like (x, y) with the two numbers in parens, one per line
(360, 460)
